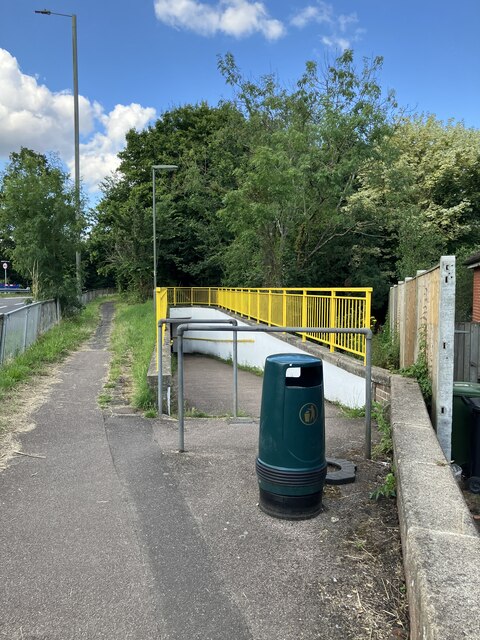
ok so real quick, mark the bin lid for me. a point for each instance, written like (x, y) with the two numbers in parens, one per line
(466, 389)
(473, 403)
(298, 360)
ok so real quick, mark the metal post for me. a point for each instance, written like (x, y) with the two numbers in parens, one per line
(76, 127)
(235, 374)
(368, 396)
(160, 368)
(25, 329)
(6, 319)
(333, 318)
(160, 167)
(154, 230)
(78, 257)
(181, 402)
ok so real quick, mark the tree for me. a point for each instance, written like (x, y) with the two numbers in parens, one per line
(38, 219)
(306, 150)
(423, 191)
(206, 145)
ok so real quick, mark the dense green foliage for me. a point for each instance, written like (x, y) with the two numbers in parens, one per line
(325, 184)
(206, 144)
(38, 224)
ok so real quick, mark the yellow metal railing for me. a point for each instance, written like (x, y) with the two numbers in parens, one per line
(337, 308)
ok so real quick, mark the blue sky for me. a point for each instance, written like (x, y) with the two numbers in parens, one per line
(138, 58)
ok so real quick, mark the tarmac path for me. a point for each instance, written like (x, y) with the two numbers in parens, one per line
(109, 533)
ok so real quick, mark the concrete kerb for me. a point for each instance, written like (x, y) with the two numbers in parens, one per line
(441, 547)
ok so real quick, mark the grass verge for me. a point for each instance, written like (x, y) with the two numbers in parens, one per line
(52, 347)
(132, 342)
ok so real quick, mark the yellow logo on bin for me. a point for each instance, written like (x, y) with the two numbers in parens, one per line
(308, 413)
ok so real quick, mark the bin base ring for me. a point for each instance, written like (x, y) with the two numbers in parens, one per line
(291, 507)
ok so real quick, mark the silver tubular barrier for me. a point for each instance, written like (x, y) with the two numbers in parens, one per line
(192, 326)
(206, 321)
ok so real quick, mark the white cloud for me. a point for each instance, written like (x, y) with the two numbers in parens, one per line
(336, 42)
(238, 18)
(342, 28)
(321, 13)
(33, 116)
(98, 157)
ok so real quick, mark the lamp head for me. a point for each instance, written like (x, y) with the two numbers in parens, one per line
(165, 167)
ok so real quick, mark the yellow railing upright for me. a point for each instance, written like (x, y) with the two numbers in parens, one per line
(339, 308)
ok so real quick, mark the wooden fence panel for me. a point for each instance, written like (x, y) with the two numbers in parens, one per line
(422, 314)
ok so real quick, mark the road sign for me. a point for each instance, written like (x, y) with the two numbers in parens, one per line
(5, 265)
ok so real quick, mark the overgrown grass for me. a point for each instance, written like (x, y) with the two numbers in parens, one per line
(386, 348)
(385, 447)
(350, 412)
(52, 347)
(419, 370)
(132, 343)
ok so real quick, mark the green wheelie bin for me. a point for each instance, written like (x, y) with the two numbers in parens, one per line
(291, 464)
(466, 431)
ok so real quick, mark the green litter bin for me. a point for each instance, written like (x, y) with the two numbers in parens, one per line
(462, 423)
(291, 465)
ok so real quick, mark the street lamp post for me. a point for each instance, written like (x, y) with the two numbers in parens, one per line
(47, 12)
(157, 167)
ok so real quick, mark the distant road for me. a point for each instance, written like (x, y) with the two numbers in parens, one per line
(11, 303)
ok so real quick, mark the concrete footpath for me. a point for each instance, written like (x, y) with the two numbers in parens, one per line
(107, 532)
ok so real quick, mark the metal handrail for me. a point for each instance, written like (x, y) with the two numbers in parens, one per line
(332, 307)
(179, 321)
(368, 369)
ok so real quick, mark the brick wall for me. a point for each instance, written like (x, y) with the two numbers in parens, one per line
(381, 393)
(476, 295)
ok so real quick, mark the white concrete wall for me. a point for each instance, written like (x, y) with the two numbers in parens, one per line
(253, 348)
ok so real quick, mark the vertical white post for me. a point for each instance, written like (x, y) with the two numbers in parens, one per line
(443, 394)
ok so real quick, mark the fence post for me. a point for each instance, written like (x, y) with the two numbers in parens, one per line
(3, 335)
(367, 319)
(442, 395)
(333, 318)
(284, 309)
(269, 307)
(304, 313)
(25, 329)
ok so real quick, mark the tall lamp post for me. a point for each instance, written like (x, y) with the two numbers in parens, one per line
(157, 167)
(47, 12)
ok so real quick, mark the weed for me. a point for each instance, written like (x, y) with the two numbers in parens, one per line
(385, 447)
(104, 400)
(386, 348)
(387, 490)
(196, 413)
(351, 412)
(419, 370)
(151, 413)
